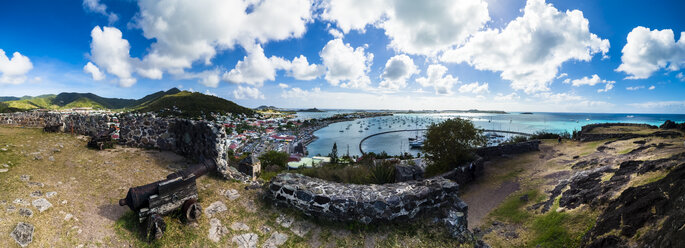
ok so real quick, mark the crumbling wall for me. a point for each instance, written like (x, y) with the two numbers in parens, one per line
(371, 203)
(509, 149)
(201, 141)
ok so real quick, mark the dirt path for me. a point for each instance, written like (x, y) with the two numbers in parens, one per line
(483, 198)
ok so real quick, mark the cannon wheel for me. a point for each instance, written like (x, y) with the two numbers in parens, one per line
(191, 210)
(101, 146)
(155, 227)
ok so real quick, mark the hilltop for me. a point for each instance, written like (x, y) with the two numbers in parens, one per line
(67, 100)
(192, 104)
(183, 103)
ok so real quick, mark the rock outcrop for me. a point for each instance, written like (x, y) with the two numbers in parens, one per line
(651, 214)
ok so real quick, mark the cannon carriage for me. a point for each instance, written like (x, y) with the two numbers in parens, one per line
(154, 200)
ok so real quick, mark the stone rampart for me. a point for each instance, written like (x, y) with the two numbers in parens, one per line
(201, 141)
(509, 149)
(371, 203)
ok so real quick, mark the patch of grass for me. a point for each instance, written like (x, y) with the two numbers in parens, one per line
(176, 231)
(648, 178)
(560, 229)
(511, 210)
(607, 176)
(625, 151)
(590, 147)
(267, 175)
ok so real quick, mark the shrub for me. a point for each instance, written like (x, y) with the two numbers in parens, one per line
(356, 174)
(382, 173)
(274, 158)
(450, 143)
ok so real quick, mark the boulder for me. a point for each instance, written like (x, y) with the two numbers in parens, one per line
(23, 234)
(216, 230)
(275, 240)
(41, 204)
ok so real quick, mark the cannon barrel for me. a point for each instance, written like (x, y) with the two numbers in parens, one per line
(138, 197)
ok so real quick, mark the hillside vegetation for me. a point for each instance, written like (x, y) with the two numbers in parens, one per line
(192, 104)
(170, 102)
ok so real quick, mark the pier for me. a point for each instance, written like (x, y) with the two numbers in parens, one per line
(424, 129)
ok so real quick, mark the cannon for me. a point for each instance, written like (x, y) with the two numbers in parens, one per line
(102, 140)
(154, 200)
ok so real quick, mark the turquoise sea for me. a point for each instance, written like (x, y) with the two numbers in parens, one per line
(350, 133)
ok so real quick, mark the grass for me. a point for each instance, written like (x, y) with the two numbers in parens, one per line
(511, 210)
(648, 178)
(625, 151)
(590, 147)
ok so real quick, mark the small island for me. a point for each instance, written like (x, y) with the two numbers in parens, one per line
(526, 113)
(310, 110)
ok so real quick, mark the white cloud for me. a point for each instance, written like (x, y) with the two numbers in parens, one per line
(474, 88)
(415, 27)
(189, 31)
(651, 87)
(436, 78)
(531, 48)
(255, 68)
(398, 70)
(247, 92)
(506, 98)
(647, 51)
(207, 92)
(587, 81)
(109, 51)
(354, 14)
(336, 33)
(94, 71)
(100, 8)
(680, 77)
(283, 86)
(660, 105)
(346, 66)
(592, 81)
(635, 88)
(562, 75)
(301, 69)
(300, 93)
(559, 97)
(607, 87)
(13, 71)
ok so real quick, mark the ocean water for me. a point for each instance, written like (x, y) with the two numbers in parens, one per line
(348, 134)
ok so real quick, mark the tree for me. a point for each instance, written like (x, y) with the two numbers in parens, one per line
(274, 158)
(450, 143)
(334, 153)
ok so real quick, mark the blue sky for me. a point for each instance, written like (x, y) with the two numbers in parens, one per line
(554, 56)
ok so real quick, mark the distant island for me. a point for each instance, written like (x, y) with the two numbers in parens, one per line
(526, 113)
(310, 110)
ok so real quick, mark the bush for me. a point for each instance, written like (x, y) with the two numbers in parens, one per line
(274, 158)
(450, 144)
(382, 173)
(356, 174)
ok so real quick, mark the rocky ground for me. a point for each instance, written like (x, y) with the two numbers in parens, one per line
(621, 192)
(57, 193)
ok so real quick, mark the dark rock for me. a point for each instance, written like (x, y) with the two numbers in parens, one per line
(646, 206)
(524, 198)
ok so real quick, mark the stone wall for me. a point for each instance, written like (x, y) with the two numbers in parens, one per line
(467, 172)
(201, 141)
(517, 148)
(370, 203)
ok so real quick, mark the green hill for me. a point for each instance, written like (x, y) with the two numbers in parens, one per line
(170, 102)
(192, 104)
(76, 100)
(8, 98)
